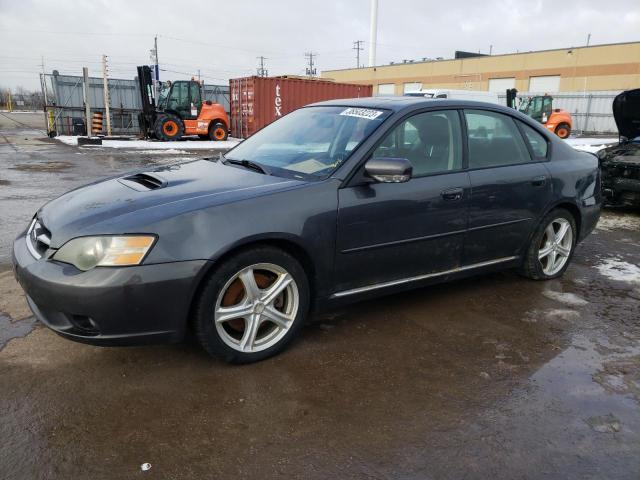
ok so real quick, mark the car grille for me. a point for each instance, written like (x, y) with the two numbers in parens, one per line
(38, 238)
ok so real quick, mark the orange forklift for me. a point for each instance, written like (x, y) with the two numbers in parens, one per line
(540, 108)
(179, 110)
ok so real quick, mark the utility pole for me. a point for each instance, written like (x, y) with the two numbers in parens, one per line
(156, 67)
(105, 92)
(44, 96)
(588, 39)
(311, 71)
(85, 94)
(357, 46)
(490, 49)
(262, 72)
(373, 32)
(198, 75)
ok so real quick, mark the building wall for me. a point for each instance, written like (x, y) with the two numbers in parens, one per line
(599, 67)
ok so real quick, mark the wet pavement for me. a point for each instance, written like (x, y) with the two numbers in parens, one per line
(491, 377)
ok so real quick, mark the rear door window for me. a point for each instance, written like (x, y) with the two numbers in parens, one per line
(494, 140)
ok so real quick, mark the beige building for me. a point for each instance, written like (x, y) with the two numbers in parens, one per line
(598, 67)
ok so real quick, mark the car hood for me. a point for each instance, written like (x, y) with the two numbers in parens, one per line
(626, 111)
(151, 195)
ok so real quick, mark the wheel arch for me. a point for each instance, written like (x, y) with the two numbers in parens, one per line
(571, 207)
(282, 242)
(218, 120)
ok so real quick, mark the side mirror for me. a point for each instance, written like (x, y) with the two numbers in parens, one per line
(389, 170)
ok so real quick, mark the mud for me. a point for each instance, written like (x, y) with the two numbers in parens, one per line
(491, 377)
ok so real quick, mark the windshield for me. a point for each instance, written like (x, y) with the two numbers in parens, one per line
(531, 105)
(309, 143)
(164, 87)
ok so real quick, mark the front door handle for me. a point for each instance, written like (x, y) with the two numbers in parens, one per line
(452, 194)
(539, 181)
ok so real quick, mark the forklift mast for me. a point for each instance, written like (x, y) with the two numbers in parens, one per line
(147, 117)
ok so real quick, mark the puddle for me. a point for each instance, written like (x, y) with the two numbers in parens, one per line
(42, 167)
(18, 329)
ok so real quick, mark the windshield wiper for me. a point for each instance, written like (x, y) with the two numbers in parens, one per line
(247, 164)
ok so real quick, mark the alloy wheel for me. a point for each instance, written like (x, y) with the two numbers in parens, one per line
(555, 247)
(256, 308)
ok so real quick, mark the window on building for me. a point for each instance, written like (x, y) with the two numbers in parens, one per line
(387, 89)
(494, 140)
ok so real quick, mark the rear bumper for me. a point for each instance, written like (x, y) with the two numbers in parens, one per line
(109, 306)
(590, 214)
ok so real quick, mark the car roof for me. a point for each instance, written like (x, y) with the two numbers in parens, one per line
(397, 103)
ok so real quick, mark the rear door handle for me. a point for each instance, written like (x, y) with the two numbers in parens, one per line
(452, 194)
(539, 181)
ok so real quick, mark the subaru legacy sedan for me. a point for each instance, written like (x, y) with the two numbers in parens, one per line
(334, 202)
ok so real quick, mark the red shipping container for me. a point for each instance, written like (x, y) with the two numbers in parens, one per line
(257, 101)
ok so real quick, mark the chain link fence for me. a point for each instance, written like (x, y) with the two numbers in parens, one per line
(65, 101)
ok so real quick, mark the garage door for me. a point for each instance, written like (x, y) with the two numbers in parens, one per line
(412, 87)
(500, 85)
(545, 84)
(387, 89)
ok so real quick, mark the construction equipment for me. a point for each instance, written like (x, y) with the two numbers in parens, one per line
(179, 110)
(540, 108)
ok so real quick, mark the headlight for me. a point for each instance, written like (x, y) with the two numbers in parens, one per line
(86, 253)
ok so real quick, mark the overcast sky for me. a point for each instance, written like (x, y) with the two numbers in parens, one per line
(223, 38)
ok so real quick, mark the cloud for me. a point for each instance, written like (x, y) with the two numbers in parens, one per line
(223, 40)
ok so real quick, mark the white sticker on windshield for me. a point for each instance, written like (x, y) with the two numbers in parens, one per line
(367, 113)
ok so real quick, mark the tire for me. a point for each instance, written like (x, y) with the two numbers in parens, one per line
(169, 127)
(542, 251)
(218, 132)
(563, 130)
(231, 339)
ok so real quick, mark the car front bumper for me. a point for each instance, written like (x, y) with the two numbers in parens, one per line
(109, 306)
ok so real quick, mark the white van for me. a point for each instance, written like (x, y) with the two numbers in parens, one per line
(477, 95)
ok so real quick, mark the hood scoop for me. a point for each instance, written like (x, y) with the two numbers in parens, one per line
(143, 182)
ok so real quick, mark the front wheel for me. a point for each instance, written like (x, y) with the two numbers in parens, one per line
(551, 247)
(218, 132)
(169, 127)
(252, 306)
(563, 130)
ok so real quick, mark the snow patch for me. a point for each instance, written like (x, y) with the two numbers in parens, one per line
(151, 145)
(615, 269)
(619, 221)
(593, 145)
(562, 314)
(566, 298)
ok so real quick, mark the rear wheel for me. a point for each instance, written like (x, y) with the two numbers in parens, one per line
(169, 127)
(563, 130)
(252, 306)
(551, 247)
(218, 132)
